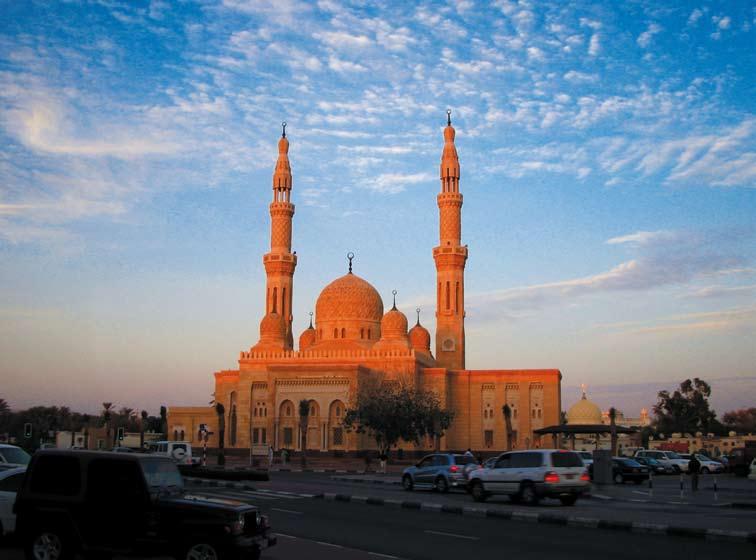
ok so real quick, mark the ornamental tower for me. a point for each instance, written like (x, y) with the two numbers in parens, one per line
(280, 262)
(450, 259)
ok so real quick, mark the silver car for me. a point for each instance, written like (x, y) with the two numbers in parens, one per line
(528, 476)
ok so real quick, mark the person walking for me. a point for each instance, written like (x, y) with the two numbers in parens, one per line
(270, 457)
(469, 453)
(694, 466)
(383, 459)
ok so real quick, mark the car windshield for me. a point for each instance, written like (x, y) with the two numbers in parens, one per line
(673, 455)
(586, 455)
(630, 463)
(162, 475)
(15, 455)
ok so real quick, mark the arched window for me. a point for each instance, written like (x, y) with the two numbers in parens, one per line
(275, 300)
(283, 302)
(448, 303)
(182, 435)
(175, 435)
(456, 298)
(335, 333)
(368, 334)
(362, 333)
(343, 333)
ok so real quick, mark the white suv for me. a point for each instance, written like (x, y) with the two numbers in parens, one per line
(13, 456)
(179, 451)
(528, 476)
(666, 458)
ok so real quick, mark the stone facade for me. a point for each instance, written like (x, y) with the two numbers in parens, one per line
(352, 340)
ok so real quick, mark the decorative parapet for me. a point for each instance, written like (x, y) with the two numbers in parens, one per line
(317, 354)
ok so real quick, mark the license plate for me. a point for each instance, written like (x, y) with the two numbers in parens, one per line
(569, 476)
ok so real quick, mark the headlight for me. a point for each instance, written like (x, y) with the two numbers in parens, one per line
(237, 526)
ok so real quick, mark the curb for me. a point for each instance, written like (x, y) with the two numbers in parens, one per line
(336, 471)
(366, 481)
(211, 483)
(550, 518)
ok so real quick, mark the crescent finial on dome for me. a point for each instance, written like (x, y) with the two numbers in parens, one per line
(310, 320)
(417, 310)
(393, 292)
(350, 257)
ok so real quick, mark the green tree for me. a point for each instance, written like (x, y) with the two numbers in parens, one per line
(107, 417)
(390, 412)
(742, 420)
(304, 417)
(686, 410)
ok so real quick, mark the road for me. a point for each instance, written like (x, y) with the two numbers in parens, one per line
(316, 528)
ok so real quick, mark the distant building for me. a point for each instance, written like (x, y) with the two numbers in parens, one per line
(713, 446)
(586, 413)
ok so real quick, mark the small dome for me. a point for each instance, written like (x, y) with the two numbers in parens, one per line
(420, 338)
(272, 325)
(307, 338)
(584, 412)
(351, 298)
(394, 324)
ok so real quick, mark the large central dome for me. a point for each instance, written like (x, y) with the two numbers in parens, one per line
(351, 298)
(349, 309)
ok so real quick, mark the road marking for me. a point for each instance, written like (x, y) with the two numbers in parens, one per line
(455, 535)
(288, 511)
(379, 555)
(286, 536)
(329, 544)
(641, 493)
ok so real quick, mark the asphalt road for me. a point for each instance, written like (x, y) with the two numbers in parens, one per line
(633, 505)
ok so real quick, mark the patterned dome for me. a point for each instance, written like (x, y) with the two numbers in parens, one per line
(584, 412)
(272, 325)
(394, 324)
(349, 298)
(307, 338)
(420, 338)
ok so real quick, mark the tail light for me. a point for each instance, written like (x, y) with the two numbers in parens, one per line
(454, 468)
(585, 476)
(551, 477)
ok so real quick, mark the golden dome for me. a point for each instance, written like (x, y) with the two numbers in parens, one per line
(394, 324)
(584, 412)
(349, 298)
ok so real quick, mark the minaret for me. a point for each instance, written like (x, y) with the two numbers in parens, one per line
(280, 262)
(450, 259)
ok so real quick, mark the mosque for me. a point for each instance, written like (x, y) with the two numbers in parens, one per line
(352, 340)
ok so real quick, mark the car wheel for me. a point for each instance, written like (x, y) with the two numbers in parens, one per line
(568, 500)
(441, 485)
(619, 479)
(705, 470)
(478, 492)
(48, 544)
(202, 551)
(407, 483)
(528, 494)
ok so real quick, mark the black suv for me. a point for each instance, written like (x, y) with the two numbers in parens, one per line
(105, 504)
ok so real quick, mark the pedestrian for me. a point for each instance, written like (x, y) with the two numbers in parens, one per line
(694, 466)
(284, 456)
(383, 459)
(270, 456)
(469, 453)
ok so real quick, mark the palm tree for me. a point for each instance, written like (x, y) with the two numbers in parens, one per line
(85, 419)
(164, 421)
(508, 424)
(220, 410)
(142, 424)
(304, 414)
(107, 415)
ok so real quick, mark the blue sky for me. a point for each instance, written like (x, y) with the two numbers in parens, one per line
(608, 165)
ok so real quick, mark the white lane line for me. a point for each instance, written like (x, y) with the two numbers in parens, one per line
(329, 544)
(641, 493)
(379, 555)
(286, 536)
(455, 535)
(288, 511)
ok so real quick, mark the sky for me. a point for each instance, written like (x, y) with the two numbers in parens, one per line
(608, 155)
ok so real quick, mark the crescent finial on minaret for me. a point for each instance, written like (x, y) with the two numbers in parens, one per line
(448, 117)
(283, 126)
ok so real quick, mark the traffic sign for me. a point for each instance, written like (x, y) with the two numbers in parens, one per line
(28, 430)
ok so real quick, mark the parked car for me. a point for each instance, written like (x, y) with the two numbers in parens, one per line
(624, 470)
(709, 465)
(13, 456)
(654, 465)
(178, 451)
(10, 482)
(528, 476)
(439, 471)
(669, 458)
(122, 449)
(752, 474)
(105, 504)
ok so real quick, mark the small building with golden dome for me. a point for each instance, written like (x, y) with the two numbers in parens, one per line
(352, 340)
